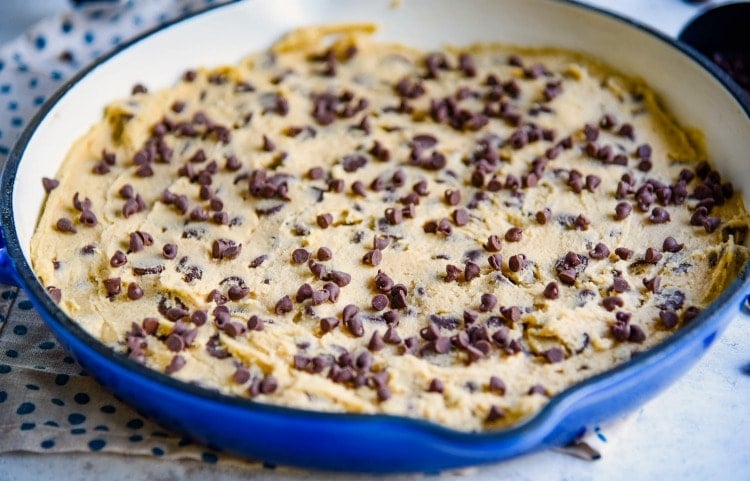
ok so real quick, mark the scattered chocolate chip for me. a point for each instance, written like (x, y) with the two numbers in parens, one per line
(328, 324)
(600, 251)
(552, 291)
(49, 184)
(487, 303)
(113, 286)
(659, 215)
(493, 243)
(65, 225)
(652, 284)
(118, 259)
(300, 256)
(622, 210)
(177, 363)
(324, 220)
(379, 302)
(671, 245)
(636, 334)
(516, 262)
(652, 255)
(169, 251)
(514, 234)
(283, 305)
(452, 196)
(134, 291)
(612, 302)
(340, 278)
(460, 217)
(373, 257)
(623, 253)
(471, 271)
(554, 355)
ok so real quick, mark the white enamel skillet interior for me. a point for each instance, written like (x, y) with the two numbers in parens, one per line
(693, 92)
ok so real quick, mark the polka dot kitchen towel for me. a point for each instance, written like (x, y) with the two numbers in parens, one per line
(47, 402)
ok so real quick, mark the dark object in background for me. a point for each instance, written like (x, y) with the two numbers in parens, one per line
(722, 34)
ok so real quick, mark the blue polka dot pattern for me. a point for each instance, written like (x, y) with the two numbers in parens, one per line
(27, 426)
(57, 402)
(3, 396)
(25, 305)
(76, 418)
(135, 424)
(97, 444)
(81, 398)
(46, 345)
(19, 330)
(209, 458)
(4, 369)
(48, 444)
(11, 353)
(157, 451)
(62, 379)
(78, 431)
(25, 408)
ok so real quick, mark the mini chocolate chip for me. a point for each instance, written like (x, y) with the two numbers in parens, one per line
(283, 305)
(710, 224)
(460, 217)
(581, 222)
(328, 324)
(373, 257)
(65, 225)
(393, 216)
(383, 283)
(636, 334)
(471, 271)
(668, 319)
(493, 243)
(452, 197)
(659, 215)
(612, 302)
(177, 363)
(113, 286)
(118, 259)
(495, 261)
(355, 327)
(300, 256)
(340, 278)
(487, 303)
(623, 253)
(376, 342)
(169, 251)
(600, 251)
(391, 336)
(543, 216)
(55, 293)
(568, 276)
(514, 234)
(304, 292)
(652, 256)
(517, 262)
(379, 302)
(552, 291)
(134, 291)
(554, 355)
(452, 273)
(436, 385)
(620, 285)
(236, 292)
(175, 343)
(622, 210)
(324, 220)
(199, 317)
(652, 284)
(49, 184)
(268, 385)
(495, 413)
(671, 245)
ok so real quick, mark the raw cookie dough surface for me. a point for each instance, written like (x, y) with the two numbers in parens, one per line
(364, 227)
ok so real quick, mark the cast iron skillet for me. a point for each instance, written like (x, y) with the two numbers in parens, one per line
(693, 89)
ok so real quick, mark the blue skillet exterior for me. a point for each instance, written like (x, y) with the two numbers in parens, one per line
(363, 443)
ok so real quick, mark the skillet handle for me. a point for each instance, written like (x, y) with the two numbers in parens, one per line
(8, 273)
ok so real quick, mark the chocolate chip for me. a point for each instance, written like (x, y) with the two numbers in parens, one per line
(659, 215)
(581, 222)
(460, 217)
(118, 259)
(175, 343)
(304, 292)
(652, 284)
(258, 261)
(300, 256)
(623, 253)
(612, 302)
(551, 290)
(393, 216)
(568, 276)
(543, 216)
(636, 334)
(236, 292)
(328, 324)
(177, 363)
(113, 286)
(668, 319)
(671, 245)
(49, 184)
(495, 413)
(495, 261)
(134, 291)
(55, 293)
(436, 385)
(65, 225)
(710, 224)
(324, 220)
(652, 256)
(225, 249)
(376, 342)
(471, 271)
(517, 262)
(493, 243)
(379, 302)
(373, 257)
(340, 278)
(514, 234)
(355, 327)
(268, 385)
(383, 283)
(620, 285)
(487, 303)
(622, 210)
(600, 251)
(283, 305)
(452, 273)
(169, 251)
(452, 196)
(554, 355)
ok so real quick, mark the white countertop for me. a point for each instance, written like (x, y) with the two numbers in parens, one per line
(698, 429)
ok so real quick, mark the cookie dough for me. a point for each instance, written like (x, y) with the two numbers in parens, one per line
(345, 225)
